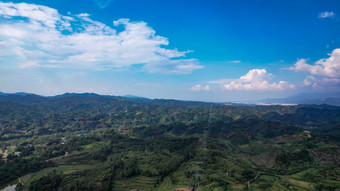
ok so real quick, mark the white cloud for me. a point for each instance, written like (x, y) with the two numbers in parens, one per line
(35, 64)
(199, 87)
(309, 81)
(321, 83)
(255, 79)
(323, 73)
(328, 67)
(235, 61)
(180, 66)
(39, 36)
(82, 15)
(327, 14)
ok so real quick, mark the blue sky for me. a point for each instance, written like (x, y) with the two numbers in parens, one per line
(214, 50)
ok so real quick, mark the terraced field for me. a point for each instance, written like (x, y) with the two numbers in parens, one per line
(138, 182)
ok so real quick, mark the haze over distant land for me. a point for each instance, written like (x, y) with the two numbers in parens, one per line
(302, 99)
(187, 50)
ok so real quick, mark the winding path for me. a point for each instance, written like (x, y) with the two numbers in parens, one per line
(252, 180)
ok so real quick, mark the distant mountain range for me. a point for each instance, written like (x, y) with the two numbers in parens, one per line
(303, 98)
(28, 98)
(86, 94)
(18, 93)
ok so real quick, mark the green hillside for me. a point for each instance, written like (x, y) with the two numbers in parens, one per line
(93, 142)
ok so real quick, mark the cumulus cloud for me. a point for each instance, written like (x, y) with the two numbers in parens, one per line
(321, 83)
(323, 73)
(328, 67)
(199, 87)
(327, 14)
(38, 36)
(255, 79)
(310, 81)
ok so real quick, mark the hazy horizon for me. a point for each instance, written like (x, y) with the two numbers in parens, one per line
(301, 97)
(186, 50)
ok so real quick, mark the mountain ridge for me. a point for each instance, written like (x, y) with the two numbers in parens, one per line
(303, 98)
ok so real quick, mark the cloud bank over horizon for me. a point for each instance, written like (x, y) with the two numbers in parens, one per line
(199, 87)
(254, 80)
(323, 73)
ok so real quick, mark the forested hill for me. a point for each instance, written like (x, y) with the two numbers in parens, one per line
(92, 111)
(22, 105)
(93, 142)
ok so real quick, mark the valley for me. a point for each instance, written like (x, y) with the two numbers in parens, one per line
(78, 142)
